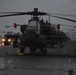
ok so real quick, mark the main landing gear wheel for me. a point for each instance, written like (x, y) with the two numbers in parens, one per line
(22, 49)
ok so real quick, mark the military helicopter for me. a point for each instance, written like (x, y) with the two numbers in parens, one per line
(37, 34)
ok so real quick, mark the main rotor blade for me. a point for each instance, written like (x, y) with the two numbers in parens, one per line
(64, 18)
(11, 12)
(63, 14)
(17, 14)
(25, 13)
(37, 13)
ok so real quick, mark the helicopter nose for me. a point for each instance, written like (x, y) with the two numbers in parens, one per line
(30, 35)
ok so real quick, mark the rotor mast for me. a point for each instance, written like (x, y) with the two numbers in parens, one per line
(35, 16)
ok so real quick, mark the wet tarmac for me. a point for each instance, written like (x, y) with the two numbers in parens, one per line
(38, 64)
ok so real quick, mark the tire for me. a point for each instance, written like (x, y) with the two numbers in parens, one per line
(22, 48)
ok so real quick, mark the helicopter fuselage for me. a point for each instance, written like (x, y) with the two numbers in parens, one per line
(32, 36)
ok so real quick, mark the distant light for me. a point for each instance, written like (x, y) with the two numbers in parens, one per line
(3, 40)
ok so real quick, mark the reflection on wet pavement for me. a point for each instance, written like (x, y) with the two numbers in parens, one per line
(37, 64)
(12, 64)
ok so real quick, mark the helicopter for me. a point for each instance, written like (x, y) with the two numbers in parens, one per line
(38, 34)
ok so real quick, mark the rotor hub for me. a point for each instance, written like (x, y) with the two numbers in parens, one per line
(35, 9)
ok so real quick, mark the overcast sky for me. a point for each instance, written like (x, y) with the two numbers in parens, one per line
(52, 6)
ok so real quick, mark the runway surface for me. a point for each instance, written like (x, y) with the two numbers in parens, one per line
(58, 61)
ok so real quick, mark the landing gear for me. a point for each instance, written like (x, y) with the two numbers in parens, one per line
(15, 43)
(22, 49)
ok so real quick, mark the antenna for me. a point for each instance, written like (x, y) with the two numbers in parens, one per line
(49, 17)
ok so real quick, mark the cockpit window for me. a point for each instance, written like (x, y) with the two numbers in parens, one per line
(32, 25)
(31, 28)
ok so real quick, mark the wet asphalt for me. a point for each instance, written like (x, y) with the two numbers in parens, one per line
(58, 61)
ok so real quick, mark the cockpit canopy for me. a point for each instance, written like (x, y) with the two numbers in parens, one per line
(34, 25)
